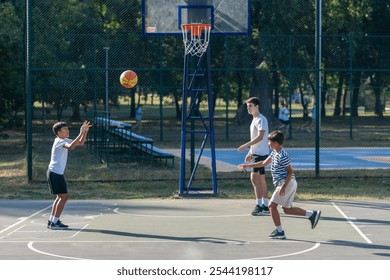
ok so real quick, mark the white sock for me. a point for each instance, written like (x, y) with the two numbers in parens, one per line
(51, 218)
(309, 213)
(55, 219)
(265, 201)
(279, 228)
(258, 201)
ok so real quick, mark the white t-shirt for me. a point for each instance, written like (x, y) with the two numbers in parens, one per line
(59, 155)
(259, 123)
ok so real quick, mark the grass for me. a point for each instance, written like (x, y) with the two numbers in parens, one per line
(89, 179)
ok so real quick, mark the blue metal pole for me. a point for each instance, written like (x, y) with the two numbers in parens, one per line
(183, 127)
(211, 124)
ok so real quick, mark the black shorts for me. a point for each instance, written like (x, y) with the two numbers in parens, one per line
(257, 158)
(56, 182)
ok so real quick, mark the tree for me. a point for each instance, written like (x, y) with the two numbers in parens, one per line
(11, 65)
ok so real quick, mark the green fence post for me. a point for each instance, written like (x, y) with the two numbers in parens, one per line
(28, 92)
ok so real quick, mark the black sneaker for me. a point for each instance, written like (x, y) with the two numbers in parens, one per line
(315, 218)
(48, 224)
(265, 208)
(52, 225)
(60, 224)
(57, 225)
(277, 235)
(257, 211)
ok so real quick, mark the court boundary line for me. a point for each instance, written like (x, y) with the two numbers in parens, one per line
(30, 246)
(116, 210)
(349, 220)
(24, 219)
(291, 254)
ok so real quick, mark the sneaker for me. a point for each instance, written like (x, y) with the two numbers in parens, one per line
(315, 218)
(60, 224)
(257, 211)
(57, 225)
(277, 235)
(48, 224)
(265, 208)
(52, 225)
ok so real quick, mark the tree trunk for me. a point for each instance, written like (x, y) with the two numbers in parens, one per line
(75, 112)
(262, 89)
(322, 91)
(355, 94)
(337, 108)
(177, 106)
(276, 82)
(375, 83)
(345, 102)
(132, 104)
(239, 93)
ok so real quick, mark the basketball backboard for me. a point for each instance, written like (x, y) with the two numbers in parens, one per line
(164, 17)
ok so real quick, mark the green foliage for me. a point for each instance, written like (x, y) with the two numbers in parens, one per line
(11, 64)
(68, 38)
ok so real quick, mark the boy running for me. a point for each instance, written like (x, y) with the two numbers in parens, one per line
(285, 185)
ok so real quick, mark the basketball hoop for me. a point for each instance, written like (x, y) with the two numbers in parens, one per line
(196, 37)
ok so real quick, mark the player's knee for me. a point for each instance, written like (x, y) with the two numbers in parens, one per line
(273, 206)
(64, 198)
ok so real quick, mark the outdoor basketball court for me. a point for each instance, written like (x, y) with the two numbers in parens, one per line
(192, 229)
(304, 158)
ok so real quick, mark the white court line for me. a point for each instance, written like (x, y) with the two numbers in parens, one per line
(291, 254)
(116, 210)
(12, 232)
(30, 246)
(77, 232)
(24, 219)
(349, 220)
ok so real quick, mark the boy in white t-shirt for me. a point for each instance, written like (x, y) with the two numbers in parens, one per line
(56, 169)
(258, 151)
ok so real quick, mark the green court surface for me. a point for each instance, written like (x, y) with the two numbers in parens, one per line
(192, 229)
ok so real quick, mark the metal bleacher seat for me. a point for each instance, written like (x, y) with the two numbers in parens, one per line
(138, 145)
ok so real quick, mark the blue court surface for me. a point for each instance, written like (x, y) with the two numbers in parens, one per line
(304, 158)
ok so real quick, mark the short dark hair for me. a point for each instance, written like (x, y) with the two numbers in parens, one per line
(58, 126)
(253, 100)
(276, 136)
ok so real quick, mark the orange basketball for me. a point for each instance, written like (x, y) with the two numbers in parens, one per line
(128, 79)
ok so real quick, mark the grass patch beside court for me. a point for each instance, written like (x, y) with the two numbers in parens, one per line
(88, 178)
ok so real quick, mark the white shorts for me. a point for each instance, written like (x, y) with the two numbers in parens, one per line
(288, 198)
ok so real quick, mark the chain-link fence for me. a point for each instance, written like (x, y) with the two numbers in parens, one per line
(80, 48)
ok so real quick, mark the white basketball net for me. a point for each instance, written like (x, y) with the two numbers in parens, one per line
(196, 38)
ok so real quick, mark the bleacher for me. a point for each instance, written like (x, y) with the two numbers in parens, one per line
(115, 139)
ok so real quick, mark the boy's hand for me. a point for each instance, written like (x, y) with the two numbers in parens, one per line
(242, 166)
(282, 191)
(86, 125)
(242, 148)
